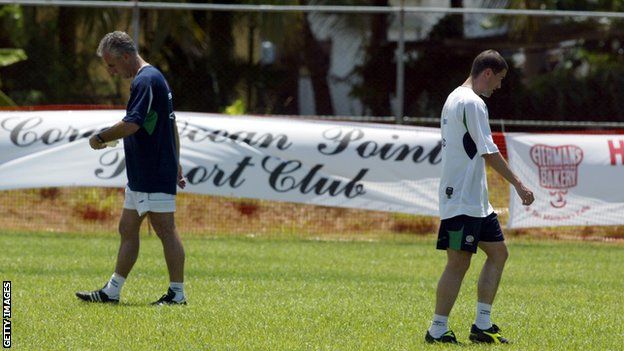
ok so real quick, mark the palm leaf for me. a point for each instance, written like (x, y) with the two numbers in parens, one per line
(11, 56)
(5, 100)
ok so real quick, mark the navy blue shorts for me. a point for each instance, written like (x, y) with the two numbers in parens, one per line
(464, 232)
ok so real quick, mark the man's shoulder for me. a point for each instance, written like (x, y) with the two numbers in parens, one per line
(148, 74)
(468, 96)
(141, 79)
(150, 78)
(462, 99)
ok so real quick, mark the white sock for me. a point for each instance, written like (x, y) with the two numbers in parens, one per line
(439, 326)
(483, 316)
(114, 285)
(178, 289)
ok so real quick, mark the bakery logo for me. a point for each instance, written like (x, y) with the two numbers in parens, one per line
(558, 169)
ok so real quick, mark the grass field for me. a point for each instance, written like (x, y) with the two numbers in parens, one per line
(298, 294)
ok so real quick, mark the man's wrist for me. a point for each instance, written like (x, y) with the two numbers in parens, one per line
(98, 137)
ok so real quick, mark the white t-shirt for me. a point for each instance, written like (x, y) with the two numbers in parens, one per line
(466, 135)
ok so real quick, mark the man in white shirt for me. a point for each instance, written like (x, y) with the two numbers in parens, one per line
(467, 218)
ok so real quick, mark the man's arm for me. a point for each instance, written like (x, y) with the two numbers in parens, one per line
(176, 135)
(120, 130)
(501, 166)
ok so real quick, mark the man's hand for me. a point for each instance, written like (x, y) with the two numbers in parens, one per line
(113, 134)
(95, 144)
(525, 194)
(181, 180)
(496, 161)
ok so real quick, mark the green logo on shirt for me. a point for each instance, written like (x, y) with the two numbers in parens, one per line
(150, 122)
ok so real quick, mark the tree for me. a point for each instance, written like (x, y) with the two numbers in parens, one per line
(7, 58)
(299, 48)
(316, 56)
(577, 81)
(378, 71)
(437, 68)
(57, 64)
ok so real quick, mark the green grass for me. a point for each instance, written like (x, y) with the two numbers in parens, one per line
(294, 294)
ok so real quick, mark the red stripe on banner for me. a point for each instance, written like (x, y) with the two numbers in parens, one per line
(499, 137)
(589, 132)
(499, 140)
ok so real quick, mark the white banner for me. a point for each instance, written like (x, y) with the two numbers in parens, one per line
(367, 166)
(577, 179)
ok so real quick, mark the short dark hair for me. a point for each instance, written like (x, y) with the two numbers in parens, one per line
(116, 43)
(488, 59)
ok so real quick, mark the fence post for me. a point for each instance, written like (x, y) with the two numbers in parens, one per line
(400, 57)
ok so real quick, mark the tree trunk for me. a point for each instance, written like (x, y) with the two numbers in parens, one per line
(67, 32)
(378, 69)
(381, 66)
(458, 20)
(316, 56)
(67, 53)
(222, 54)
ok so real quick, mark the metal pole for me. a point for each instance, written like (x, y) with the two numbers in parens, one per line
(136, 23)
(314, 8)
(400, 57)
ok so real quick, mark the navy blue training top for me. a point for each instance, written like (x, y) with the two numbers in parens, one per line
(151, 155)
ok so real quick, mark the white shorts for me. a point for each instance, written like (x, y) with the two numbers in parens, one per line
(149, 202)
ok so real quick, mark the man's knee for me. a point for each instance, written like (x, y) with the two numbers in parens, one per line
(501, 255)
(163, 224)
(497, 252)
(458, 261)
(128, 232)
(164, 231)
(129, 225)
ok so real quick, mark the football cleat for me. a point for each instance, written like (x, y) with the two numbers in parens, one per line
(95, 296)
(168, 299)
(448, 338)
(489, 336)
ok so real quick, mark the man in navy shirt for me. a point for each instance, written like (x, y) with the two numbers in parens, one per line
(152, 152)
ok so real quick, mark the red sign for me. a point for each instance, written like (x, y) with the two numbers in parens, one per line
(615, 150)
(558, 169)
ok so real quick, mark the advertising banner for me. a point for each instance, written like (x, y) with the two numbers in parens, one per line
(357, 165)
(577, 179)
